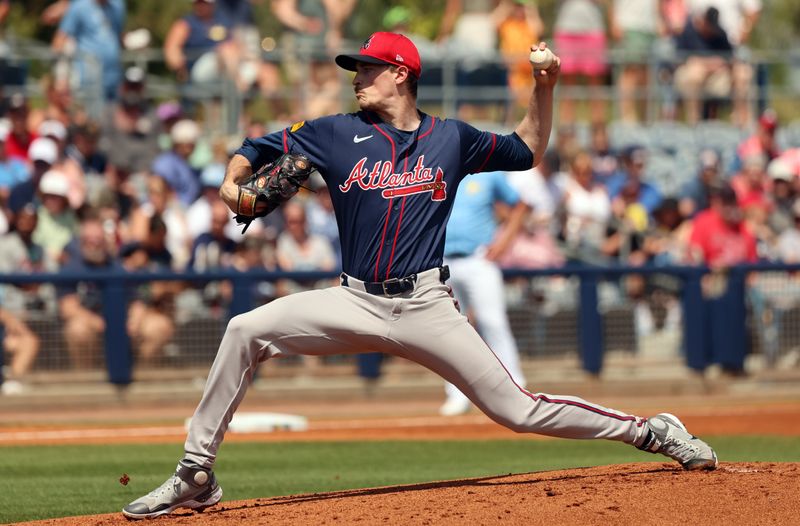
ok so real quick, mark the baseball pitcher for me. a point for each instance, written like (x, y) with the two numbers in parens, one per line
(392, 172)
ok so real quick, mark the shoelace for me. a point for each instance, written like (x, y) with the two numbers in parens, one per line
(679, 449)
(173, 483)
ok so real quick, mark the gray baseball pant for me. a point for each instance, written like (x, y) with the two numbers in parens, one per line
(423, 326)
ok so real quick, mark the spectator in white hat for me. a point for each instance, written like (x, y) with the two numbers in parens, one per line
(173, 166)
(43, 154)
(55, 130)
(57, 222)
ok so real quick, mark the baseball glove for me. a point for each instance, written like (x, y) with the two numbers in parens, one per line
(274, 184)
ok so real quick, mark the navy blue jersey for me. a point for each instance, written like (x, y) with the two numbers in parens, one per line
(392, 191)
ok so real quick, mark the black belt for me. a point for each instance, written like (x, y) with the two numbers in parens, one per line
(396, 286)
(456, 255)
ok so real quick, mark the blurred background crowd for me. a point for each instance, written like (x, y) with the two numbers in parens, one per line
(117, 121)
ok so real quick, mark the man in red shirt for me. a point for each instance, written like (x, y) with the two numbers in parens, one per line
(21, 137)
(721, 239)
(719, 235)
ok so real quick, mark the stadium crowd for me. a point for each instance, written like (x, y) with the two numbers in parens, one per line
(136, 189)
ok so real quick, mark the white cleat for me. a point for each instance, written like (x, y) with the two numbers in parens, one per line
(667, 435)
(190, 487)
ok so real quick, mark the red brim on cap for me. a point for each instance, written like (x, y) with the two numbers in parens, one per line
(349, 62)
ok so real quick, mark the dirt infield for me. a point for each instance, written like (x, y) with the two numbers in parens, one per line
(649, 493)
(642, 493)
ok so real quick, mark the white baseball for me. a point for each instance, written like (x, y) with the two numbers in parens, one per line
(542, 58)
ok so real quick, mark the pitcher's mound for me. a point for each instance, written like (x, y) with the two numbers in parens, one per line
(641, 494)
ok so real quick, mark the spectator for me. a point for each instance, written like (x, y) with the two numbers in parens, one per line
(57, 132)
(131, 130)
(252, 70)
(752, 187)
(155, 244)
(208, 43)
(580, 41)
(96, 45)
(12, 171)
(57, 223)
(783, 195)
(83, 148)
(253, 253)
(721, 239)
(321, 217)
(162, 202)
(213, 250)
(174, 167)
(587, 210)
(80, 304)
(23, 346)
(469, 34)
(705, 74)
(750, 184)
(762, 142)
(298, 250)
(22, 303)
(694, 196)
(665, 243)
(313, 32)
(22, 254)
(737, 18)
(542, 189)
(21, 136)
(198, 215)
(519, 25)
(604, 158)
(168, 113)
(719, 236)
(44, 153)
(58, 105)
(788, 245)
(634, 26)
(627, 186)
(150, 321)
(192, 44)
(667, 240)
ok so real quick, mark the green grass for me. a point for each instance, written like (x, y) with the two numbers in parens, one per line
(56, 481)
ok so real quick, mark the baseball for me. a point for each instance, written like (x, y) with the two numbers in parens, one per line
(541, 58)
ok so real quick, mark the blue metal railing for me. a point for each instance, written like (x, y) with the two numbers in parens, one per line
(714, 330)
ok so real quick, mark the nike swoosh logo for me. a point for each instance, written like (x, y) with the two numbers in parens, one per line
(358, 139)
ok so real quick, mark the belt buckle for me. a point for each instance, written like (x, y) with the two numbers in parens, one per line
(388, 283)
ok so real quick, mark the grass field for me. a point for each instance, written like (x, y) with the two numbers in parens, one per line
(38, 482)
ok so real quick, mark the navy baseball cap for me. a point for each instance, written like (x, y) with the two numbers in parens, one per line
(384, 47)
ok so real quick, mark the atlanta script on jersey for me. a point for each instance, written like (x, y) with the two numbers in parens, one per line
(392, 190)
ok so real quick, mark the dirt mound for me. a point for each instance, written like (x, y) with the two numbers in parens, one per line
(642, 493)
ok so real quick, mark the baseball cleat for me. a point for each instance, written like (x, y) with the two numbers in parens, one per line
(667, 435)
(190, 487)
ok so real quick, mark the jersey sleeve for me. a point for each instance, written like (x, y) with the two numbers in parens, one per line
(483, 151)
(311, 138)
